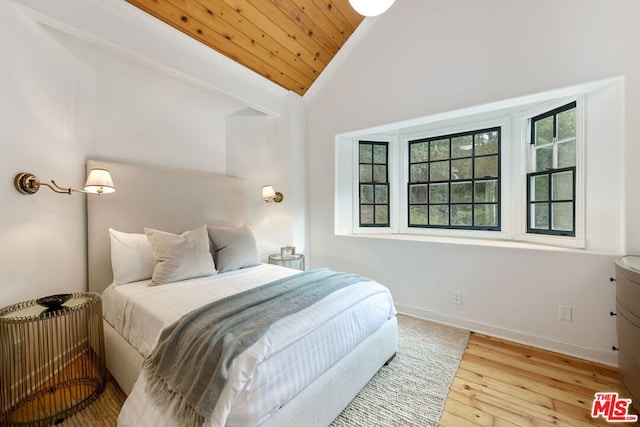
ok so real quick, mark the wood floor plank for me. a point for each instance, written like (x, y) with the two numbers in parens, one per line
(495, 383)
(535, 366)
(491, 407)
(553, 392)
(475, 416)
(458, 401)
(533, 414)
(448, 419)
(602, 372)
(585, 375)
(504, 383)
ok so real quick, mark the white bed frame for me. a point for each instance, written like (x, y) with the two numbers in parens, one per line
(177, 200)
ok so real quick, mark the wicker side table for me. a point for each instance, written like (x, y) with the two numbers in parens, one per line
(52, 361)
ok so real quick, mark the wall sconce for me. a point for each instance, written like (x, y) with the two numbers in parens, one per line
(98, 182)
(269, 195)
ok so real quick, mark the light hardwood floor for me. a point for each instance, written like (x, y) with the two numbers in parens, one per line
(501, 383)
(69, 388)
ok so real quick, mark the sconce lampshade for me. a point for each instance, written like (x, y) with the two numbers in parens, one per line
(270, 195)
(99, 182)
(371, 7)
(268, 192)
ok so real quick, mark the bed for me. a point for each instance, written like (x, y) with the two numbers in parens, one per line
(307, 381)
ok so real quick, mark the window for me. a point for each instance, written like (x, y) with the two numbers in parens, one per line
(454, 181)
(373, 175)
(551, 184)
(535, 192)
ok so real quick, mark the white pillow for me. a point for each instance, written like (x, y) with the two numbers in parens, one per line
(180, 256)
(131, 257)
(234, 248)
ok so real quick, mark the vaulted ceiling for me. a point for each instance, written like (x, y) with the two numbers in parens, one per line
(289, 42)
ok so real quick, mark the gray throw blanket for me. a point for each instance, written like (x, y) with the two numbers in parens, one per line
(191, 360)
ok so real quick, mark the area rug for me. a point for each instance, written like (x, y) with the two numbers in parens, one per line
(412, 389)
(409, 392)
(101, 413)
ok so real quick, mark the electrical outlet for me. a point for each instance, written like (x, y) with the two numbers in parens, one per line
(456, 297)
(565, 312)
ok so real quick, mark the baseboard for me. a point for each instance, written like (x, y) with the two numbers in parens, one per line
(606, 357)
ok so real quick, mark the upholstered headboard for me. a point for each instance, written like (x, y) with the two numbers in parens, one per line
(173, 200)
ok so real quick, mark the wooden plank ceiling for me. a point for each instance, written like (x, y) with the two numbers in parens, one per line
(289, 42)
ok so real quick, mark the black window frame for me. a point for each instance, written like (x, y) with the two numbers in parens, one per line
(550, 113)
(550, 172)
(550, 201)
(374, 184)
(473, 180)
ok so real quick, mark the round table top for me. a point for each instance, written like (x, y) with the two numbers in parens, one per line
(630, 261)
(32, 310)
(278, 257)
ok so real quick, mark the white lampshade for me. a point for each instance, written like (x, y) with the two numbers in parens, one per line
(371, 7)
(99, 181)
(268, 193)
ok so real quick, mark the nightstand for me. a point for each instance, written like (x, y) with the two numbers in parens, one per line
(52, 360)
(295, 261)
(628, 324)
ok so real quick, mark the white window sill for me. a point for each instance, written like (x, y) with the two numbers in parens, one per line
(466, 241)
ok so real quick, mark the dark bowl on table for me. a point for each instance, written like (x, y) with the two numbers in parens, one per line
(53, 302)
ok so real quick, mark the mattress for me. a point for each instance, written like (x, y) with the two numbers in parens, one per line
(293, 353)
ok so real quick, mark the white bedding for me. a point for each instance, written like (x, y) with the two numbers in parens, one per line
(293, 353)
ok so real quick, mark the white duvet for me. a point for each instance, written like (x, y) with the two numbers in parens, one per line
(292, 354)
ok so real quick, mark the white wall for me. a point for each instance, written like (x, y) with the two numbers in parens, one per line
(43, 87)
(267, 150)
(141, 115)
(65, 100)
(253, 149)
(428, 57)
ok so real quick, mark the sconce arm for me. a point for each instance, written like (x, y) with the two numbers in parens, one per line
(55, 187)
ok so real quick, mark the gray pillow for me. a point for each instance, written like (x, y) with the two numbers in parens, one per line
(180, 256)
(233, 247)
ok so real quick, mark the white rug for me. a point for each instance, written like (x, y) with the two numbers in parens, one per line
(412, 389)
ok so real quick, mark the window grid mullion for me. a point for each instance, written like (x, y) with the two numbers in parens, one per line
(374, 204)
(550, 201)
(429, 184)
(473, 180)
(492, 206)
(449, 184)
